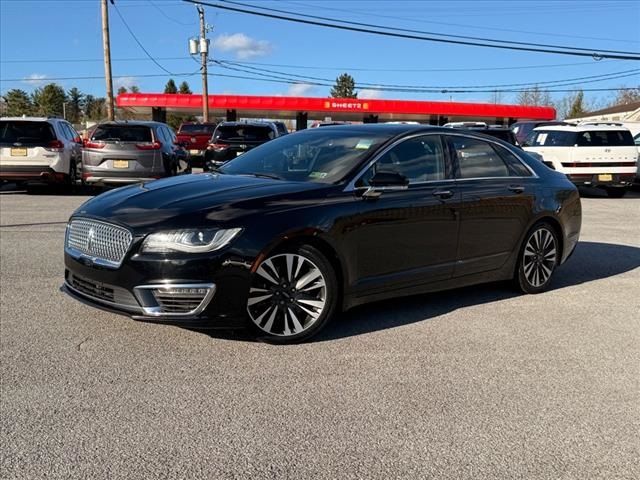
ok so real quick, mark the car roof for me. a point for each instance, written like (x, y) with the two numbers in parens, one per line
(255, 123)
(32, 119)
(132, 123)
(583, 128)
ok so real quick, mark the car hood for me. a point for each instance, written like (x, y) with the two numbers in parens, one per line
(198, 199)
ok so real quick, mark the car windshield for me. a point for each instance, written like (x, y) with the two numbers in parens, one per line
(122, 133)
(197, 128)
(26, 133)
(243, 132)
(317, 155)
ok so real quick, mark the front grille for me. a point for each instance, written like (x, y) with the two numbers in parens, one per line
(103, 241)
(101, 292)
(117, 296)
(179, 300)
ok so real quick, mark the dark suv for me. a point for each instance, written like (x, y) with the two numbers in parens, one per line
(231, 139)
(523, 129)
(497, 131)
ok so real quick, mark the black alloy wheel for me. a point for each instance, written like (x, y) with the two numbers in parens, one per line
(538, 259)
(293, 295)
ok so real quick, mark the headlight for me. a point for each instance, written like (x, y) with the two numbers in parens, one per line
(190, 241)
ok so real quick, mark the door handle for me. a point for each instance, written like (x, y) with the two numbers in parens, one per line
(516, 188)
(444, 194)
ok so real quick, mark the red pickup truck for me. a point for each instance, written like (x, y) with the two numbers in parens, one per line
(196, 137)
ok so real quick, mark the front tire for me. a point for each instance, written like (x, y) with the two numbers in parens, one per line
(293, 295)
(538, 259)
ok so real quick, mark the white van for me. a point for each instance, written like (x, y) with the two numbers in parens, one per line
(597, 155)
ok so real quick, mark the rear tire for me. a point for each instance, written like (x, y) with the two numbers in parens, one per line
(293, 295)
(616, 192)
(538, 259)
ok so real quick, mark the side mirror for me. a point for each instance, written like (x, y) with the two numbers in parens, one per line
(389, 180)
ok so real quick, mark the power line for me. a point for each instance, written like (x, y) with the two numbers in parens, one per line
(588, 79)
(152, 3)
(575, 51)
(317, 67)
(295, 82)
(368, 13)
(138, 41)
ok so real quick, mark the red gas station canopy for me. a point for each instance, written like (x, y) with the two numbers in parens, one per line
(337, 108)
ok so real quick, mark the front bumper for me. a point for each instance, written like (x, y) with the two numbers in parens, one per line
(146, 289)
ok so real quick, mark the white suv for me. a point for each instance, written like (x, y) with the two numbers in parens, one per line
(590, 154)
(39, 150)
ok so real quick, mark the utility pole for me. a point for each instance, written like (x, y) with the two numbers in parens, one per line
(107, 59)
(204, 51)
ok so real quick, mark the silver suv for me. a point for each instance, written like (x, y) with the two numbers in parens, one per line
(131, 152)
(39, 150)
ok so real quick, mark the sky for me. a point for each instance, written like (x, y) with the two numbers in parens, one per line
(60, 40)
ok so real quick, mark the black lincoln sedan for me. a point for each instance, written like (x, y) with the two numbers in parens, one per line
(292, 232)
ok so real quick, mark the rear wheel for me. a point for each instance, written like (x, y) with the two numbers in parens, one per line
(293, 295)
(538, 259)
(616, 192)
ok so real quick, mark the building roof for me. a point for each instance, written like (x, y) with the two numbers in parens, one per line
(337, 108)
(624, 107)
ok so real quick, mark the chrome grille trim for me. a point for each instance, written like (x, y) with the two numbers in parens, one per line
(158, 301)
(99, 242)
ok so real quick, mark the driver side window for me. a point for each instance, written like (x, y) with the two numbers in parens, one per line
(419, 159)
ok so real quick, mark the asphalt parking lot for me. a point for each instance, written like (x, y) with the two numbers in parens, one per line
(474, 383)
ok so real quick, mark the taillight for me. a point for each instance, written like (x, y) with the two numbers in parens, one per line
(90, 144)
(55, 145)
(218, 147)
(149, 146)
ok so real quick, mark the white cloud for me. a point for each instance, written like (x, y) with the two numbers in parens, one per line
(36, 79)
(369, 94)
(242, 46)
(126, 82)
(300, 90)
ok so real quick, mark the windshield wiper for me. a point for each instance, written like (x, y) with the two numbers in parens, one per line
(264, 175)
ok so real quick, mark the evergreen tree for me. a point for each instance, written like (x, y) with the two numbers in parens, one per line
(49, 99)
(74, 105)
(95, 108)
(170, 87)
(18, 103)
(344, 87)
(184, 88)
(122, 90)
(134, 89)
(577, 106)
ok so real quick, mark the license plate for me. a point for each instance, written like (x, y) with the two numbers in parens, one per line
(194, 152)
(605, 177)
(18, 152)
(121, 164)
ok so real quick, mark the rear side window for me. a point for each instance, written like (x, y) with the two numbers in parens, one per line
(516, 167)
(282, 130)
(551, 138)
(603, 138)
(26, 133)
(122, 133)
(243, 132)
(478, 159)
